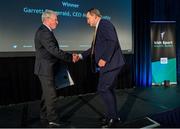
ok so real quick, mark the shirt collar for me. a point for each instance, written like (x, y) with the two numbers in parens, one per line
(47, 27)
(98, 23)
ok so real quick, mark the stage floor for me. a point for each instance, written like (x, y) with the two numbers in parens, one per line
(134, 105)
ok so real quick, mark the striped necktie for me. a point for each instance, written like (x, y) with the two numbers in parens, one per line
(93, 64)
(93, 42)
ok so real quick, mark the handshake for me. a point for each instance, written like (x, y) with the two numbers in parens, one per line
(75, 57)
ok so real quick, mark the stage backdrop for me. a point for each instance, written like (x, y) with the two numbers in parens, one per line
(163, 47)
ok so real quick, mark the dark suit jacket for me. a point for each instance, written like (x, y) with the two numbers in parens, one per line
(47, 52)
(107, 47)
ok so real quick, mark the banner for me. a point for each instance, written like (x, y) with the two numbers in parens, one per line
(163, 50)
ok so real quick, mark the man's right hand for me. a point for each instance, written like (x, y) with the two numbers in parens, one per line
(75, 57)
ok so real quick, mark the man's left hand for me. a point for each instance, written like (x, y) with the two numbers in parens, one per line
(101, 63)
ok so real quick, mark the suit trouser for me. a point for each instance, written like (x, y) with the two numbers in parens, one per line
(106, 89)
(48, 99)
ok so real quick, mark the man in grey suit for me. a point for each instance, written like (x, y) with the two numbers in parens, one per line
(47, 55)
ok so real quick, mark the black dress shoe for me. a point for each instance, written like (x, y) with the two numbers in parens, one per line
(112, 123)
(53, 125)
(57, 125)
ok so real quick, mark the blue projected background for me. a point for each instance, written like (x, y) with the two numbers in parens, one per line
(20, 20)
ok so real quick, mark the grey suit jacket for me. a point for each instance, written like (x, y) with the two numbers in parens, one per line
(47, 52)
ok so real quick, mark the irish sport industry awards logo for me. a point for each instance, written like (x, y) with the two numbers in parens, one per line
(162, 35)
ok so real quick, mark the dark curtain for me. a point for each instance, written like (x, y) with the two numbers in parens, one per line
(19, 84)
(142, 44)
(17, 80)
(144, 12)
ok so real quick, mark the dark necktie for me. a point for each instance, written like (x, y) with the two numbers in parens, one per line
(55, 39)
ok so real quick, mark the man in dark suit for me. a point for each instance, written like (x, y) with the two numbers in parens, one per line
(47, 56)
(107, 58)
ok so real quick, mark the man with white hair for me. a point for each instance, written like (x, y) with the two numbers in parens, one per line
(47, 55)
